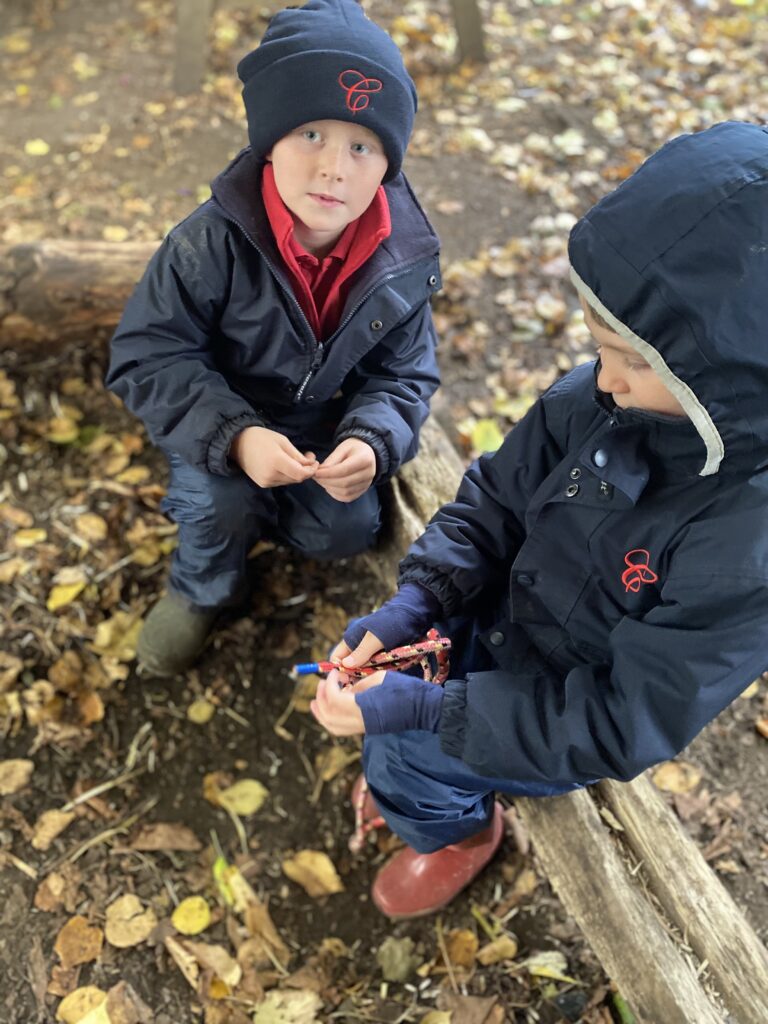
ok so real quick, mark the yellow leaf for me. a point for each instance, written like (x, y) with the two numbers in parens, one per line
(314, 871)
(200, 711)
(128, 923)
(49, 825)
(676, 777)
(461, 944)
(91, 527)
(133, 475)
(503, 948)
(63, 594)
(752, 690)
(62, 430)
(114, 233)
(74, 1007)
(244, 797)
(192, 916)
(36, 147)
(14, 775)
(28, 538)
(15, 43)
(437, 1017)
(549, 964)
(284, 1007)
(116, 637)
(486, 436)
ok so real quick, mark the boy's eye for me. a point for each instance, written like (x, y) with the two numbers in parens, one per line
(360, 147)
(310, 134)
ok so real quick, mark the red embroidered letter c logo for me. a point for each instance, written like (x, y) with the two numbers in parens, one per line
(358, 89)
(638, 571)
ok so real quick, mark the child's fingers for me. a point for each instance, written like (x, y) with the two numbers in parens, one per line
(341, 650)
(374, 679)
(365, 650)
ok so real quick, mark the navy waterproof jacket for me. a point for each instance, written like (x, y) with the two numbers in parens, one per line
(213, 340)
(625, 554)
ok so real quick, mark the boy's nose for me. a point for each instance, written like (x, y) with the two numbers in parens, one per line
(332, 163)
(610, 381)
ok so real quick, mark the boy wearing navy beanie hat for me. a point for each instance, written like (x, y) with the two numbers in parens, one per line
(280, 347)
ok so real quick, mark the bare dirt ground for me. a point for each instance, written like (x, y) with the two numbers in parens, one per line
(96, 145)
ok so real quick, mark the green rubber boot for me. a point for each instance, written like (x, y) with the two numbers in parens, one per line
(173, 636)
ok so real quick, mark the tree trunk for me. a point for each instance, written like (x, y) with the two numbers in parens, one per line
(56, 291)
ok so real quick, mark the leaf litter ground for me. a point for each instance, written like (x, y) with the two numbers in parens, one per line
(504, 158)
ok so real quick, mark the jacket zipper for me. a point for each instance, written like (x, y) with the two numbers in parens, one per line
(319, 351)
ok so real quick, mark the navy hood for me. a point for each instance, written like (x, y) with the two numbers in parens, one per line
(676, 262)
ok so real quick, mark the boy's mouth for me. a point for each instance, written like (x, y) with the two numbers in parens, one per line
(325, 200)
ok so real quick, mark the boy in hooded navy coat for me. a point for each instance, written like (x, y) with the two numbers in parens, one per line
(280, 346)
(605, 573)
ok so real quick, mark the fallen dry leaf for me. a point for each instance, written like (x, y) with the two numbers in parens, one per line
(78, 942)
(503, 948)
(314, 871)
(244, 797)
(128, 922)
(79, 1003)
(283, 1007)
(461, 945)
(165, 836)
(49, 825)
(14, 775)
(192, 916)
(676, 777)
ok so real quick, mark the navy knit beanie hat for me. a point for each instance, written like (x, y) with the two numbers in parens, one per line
(327, 61)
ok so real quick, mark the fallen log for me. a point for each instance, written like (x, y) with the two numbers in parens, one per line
(628, 891)
(58, 291)
(646, 900)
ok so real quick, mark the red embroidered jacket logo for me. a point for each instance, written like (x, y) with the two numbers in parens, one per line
(358, 89)
(638, 570)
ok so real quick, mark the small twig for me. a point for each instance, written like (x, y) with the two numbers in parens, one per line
(239, 829)
(133, 749)
(112, 569)
(101, 788)
(17, 862)
(236, 717)
(116, 830)
(489, 930)
(444, 952)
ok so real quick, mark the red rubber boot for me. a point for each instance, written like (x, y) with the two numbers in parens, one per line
(414, 884)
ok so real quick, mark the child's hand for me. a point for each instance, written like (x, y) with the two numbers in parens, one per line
(348, 471)
(363, 653)
(336, 709)
(269, 458)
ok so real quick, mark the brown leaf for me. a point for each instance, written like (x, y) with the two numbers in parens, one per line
(63, 980)
(78, 942)
(165, 836)
(314, 871)
(125, 1007)
(66, 672)
(461, 945)
(59, 890)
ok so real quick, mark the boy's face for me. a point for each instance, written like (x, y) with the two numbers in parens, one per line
(626, 376)
(327, 173)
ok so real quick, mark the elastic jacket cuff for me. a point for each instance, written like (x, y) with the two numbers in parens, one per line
(376, 441)
(217, 458)
(399, 704)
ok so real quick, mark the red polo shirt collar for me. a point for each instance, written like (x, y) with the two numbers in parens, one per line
(321, 285)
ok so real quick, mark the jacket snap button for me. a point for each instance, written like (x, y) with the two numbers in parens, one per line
(600, 458)
(525, 580)
(432, 281)
(496, 638)
(309, 398)
(575, 473)
(376, 325)
(572, 490)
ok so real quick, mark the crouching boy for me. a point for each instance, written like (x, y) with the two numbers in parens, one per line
(280, 347)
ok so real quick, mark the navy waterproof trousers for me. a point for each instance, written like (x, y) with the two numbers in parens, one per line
(220, 518)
